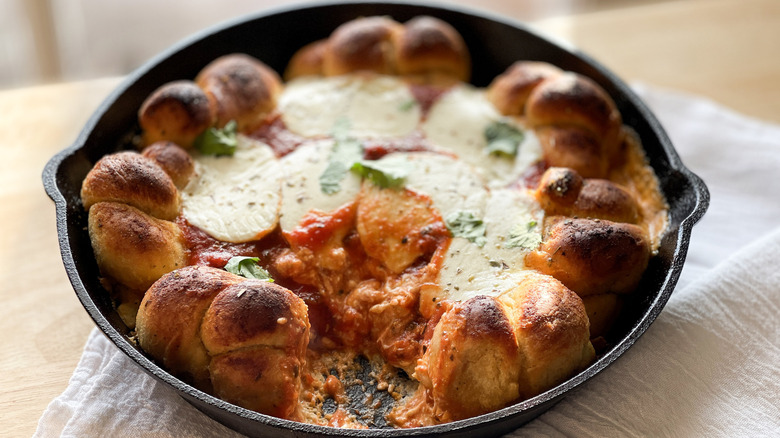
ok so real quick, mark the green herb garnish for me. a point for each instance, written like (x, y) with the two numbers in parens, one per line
(382, 173)
(247, 267)
(524, 236)
(503, 139)
(465, 224)
(346, 151)
(216, 141)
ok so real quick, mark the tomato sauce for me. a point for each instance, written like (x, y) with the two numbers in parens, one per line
(426, 95)
(205, 250)
(316, 228)
(532, 176)
(374, 149)
(275, 134)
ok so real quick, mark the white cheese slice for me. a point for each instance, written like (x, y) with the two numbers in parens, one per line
(235, 198)
(469, 270)
(301, 190)
(457, 122)
(373, 105)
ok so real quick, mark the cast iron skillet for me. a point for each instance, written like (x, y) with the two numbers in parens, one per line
(272, 37)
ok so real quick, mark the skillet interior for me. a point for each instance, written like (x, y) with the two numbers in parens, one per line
(273, 37)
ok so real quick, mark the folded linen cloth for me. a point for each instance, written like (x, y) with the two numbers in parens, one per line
(708, 366)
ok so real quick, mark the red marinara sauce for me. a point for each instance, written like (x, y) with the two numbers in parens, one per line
(275, 134)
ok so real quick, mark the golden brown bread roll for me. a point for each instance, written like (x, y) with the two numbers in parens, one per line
(172, 335)
(571, 99)
(263, 379)
(576, 148)
(307, 61)
(489, 351)
(244, 338)
(130, 178)
(174, 160)
(564, 192)
(362, 44)
(133, 247)
(428, 45)
(592, 256)
(178, 111)
(473, 362)
(509, 91)
(551, 328)
(257, 333)
(254, 313)
(422, 46)
(240, 88)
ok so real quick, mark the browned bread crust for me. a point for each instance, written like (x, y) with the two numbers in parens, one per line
(177, 111)
(263, 379)
(240, 88)
(245, 339)
(487, 352)
(575, 148)
(592, 256)
(563, 192)
(473, 360)
(255, 312)
(361, 44)
(172, 335)
(429, 45)
(551, 328)
(571, 99)
(174, 160)
(133, 179)
(133, 247)
(509, 91)
(422, 46)
(307, 61)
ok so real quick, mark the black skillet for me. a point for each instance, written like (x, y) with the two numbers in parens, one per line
(272, 37)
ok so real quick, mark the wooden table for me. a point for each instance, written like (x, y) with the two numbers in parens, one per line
(723, 49)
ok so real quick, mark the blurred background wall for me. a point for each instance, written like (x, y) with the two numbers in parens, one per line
(44, 41)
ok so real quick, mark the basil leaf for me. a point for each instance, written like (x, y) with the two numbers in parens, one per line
(524, 236)
(503, 138)
(383, 174)
(346, 151)
(216, 141)
(247, 267)
(465, 224)
(330, 180)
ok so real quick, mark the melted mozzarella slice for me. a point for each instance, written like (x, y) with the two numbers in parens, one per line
(469, 270)
(235, 198)
(374, 106)
(301, 190)
(457, 122)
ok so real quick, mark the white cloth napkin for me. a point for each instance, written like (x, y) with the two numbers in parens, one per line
(709, 365)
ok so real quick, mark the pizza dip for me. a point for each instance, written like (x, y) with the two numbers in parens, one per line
(373, 241)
